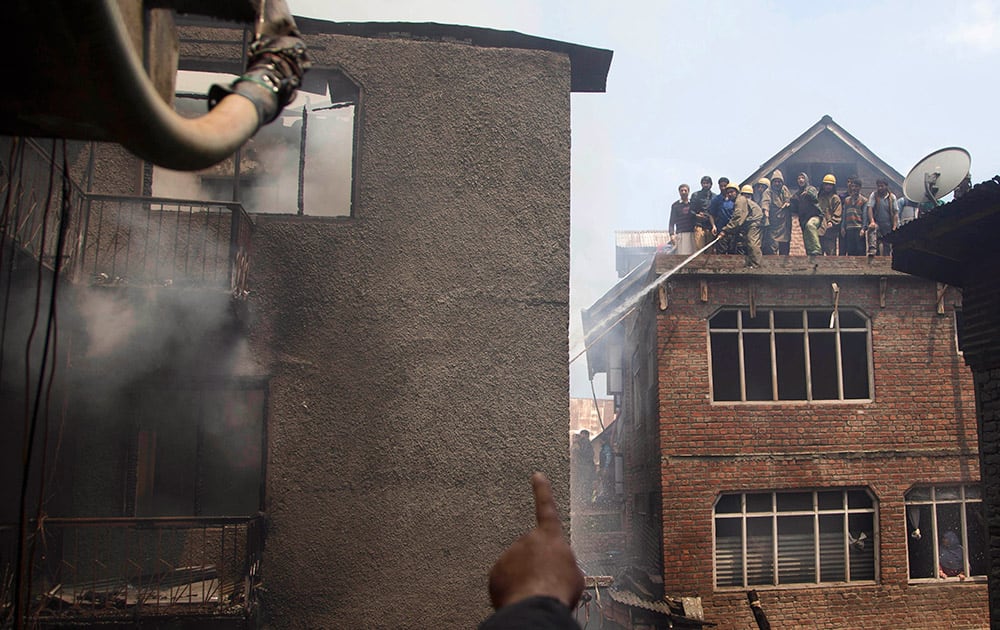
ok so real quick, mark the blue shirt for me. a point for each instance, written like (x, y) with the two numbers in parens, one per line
(721, 210)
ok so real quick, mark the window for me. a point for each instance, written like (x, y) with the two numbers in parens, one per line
(300, 163)
(796, 537)
(790, 355)
(947, 523)
(197, 452)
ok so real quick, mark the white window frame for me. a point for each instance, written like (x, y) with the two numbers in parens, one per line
(775, 514)
(771, 330)
(934, 532)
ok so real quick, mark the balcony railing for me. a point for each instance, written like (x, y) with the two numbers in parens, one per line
(163, 241)
(102, 569)
(31, 193)
(116, 239)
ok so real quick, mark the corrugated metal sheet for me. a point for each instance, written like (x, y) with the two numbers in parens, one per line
(631, 599)
(642, 238)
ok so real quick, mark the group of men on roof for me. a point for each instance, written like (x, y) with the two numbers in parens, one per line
(756, 220)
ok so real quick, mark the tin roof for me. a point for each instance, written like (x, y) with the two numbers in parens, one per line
(945, 242)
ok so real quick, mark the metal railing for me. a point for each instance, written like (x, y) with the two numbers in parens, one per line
(106, 568)
(163, 241)
(31, 197)
(119, 239)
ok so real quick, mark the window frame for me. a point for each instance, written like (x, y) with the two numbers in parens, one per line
(934, 534)
(239, 189)
(775, 514)
(740, 331)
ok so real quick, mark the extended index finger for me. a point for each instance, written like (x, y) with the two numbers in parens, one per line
(546, 514)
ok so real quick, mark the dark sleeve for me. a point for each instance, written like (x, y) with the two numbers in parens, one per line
(534, 613)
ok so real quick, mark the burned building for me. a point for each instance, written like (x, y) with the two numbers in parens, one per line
(291, 388)
(806, 430)
(952, 244)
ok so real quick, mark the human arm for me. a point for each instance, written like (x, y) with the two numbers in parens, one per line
(741, 209)
(836, 211)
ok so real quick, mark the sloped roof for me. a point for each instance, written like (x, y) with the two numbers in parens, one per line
(826, 124)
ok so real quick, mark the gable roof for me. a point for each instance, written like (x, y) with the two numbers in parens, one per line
(826, 124)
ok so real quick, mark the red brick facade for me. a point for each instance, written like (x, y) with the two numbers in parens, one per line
(918, 428)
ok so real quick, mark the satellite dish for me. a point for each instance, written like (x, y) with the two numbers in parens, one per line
(937, 175)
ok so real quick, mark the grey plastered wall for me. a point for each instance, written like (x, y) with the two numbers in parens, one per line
(418, 350)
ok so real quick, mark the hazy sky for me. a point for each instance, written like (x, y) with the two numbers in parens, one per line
(718, 87)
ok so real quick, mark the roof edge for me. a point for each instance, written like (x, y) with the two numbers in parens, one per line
(589, 65)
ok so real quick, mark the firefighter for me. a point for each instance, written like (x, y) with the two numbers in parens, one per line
(831, 207)
(746, 222)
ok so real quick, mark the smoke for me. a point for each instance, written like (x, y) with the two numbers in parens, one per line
(272, 161)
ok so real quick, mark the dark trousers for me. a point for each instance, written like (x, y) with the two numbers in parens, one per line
(854, 242)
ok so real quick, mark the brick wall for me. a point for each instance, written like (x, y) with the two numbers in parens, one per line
(920, 428)
(982, 352)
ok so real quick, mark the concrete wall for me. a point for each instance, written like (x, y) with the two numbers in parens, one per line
(920, 428)
(418, 350)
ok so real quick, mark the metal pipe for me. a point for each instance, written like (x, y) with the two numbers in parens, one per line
(148, 127)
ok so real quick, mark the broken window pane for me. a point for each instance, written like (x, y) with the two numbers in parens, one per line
(861, 528)
(788, 319)
(790, 355)
(300, 163)
(823, 366)
(794, 501)
(774, 343)
(757, 366)
(762, 319)
(946, 533)
(854, 359)
(723, 319)
(725, 366)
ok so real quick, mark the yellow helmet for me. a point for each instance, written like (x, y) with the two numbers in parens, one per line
(732, 185)
(764, 180)
(829, 179)
(746, 190)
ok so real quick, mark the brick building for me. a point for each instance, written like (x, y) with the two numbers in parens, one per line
(806, 430)
(341, 374)
(955, 244)
(812, 444)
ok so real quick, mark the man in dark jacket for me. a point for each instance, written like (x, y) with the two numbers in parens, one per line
(805, 203)
(853, 225)
(831, 207)
(700, 201)
(777, 201)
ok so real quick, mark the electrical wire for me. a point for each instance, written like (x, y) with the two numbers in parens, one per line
(14, 166)
(34, 408)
